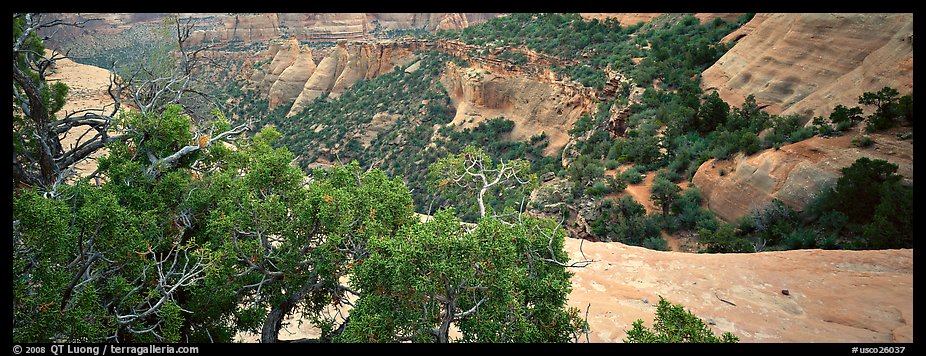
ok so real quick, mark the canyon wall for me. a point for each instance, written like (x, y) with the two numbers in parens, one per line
(262, 27)
(808, 63)
(536, 106)
(343, 66)
(292, 65)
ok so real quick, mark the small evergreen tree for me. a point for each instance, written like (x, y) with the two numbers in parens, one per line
(674, 324)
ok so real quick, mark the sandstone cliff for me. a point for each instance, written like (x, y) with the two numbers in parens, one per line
(321, 81)
(535, 106)
(287, 73)
(809, 63)
(529, 94)
(247, 28)
(346, 64)
(795, 174)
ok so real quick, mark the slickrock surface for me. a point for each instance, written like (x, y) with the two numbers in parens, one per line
(833, 296)
(809, 63)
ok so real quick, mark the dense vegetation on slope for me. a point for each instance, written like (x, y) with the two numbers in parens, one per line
(189, 233)
(333, 130)
(867, 209)
(671, 129)
(670, 52)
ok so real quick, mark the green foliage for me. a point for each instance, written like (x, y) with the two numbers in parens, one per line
(786, 129)
(712, 113)
(876, 206)
(584, 171)
(863, 141)
(515, 57)
(892, 223)
(904, 108)
(631, 175)
(822, 127)
(687, 213)
(626, 221)
(858, 191)
(723, 240)
(674, 324)
(642, 147)
(664, 193)
(886, 102)
(472, 174)
(868, 208)
(676, 52)
(599, 188)
(92, 246)
(846, 117)
(263, 240)
(492, 282)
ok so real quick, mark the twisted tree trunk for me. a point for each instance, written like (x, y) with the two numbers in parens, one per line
(271, 330)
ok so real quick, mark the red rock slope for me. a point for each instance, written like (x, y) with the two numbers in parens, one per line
(794, 174)
(809, 63)
(833, 296)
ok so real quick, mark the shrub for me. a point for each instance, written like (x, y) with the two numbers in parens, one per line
(723, 240)
(656, 243)
(674, 324)
(597, 189)
(862, 141)
(631, 175)
(616, 184)
(611, 164)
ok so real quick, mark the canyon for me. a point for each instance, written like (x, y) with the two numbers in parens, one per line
(250, 28)
(793, 63)
(535, 98)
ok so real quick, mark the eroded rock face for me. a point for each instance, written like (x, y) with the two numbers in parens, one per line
(310, 27)
(321, 81)
(367, 60)
(535, 106)
(808, 63)
(795, 174)
(833, 296)
(347, 63)
(290, 69)
(329, 26)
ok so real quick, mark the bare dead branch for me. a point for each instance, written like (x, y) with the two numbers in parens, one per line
(159, 165)
(469, 312)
